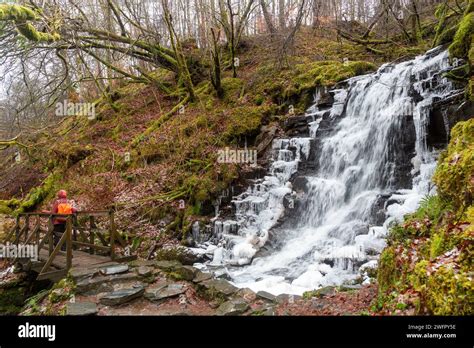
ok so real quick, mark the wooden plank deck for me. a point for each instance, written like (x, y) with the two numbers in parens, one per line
(79, 259)
(53, 263)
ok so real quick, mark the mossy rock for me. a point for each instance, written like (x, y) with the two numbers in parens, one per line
(234, 88)
(462, 39)
(244, 121)
(447, 35)
(445, 292)
(388, 272)
(216, 289)
(12, 300)
(454, 175)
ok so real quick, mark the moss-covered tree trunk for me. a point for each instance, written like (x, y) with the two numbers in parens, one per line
(182, 66)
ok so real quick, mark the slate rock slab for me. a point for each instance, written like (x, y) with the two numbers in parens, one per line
(232, 307)
(185, 272)
(164, 291)
(219, 286)
(114, 269)
(144, 271)
(168, 266)
(81, 308)
(266, 296)
(93, 286)
(201, 276)
(121, 296)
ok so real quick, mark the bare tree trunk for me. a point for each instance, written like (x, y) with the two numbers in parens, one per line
(281, 14)
(288, 42)
(268, 18)
(216, 69)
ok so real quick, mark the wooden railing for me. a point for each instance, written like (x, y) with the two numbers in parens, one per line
(82, 233)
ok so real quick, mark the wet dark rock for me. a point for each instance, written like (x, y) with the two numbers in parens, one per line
(326, 100)
(401, 150)
(265, 138)
(300, 184)
(296, 125)
(377, 216)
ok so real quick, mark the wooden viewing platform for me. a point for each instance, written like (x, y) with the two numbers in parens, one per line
(86, 245)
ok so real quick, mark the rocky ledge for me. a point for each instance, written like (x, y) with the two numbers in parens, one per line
(163, 288)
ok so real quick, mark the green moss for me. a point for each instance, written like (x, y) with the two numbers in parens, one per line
(460, 73)
(33, 303)
(329, 72)
(7, 206)
(12, 300)
(430, 208)
(437, 245)
(29, 31)
(34, 197)
(471, 53)
(462, 39)
(38, 194)
(233, 88)
(470, 7)
(401, 306)
(174, 254)
(244, 121)
(418, 248)
(453, 175)
(295, 86)
(259, 99)
(446, 36)
(388, 272)
(21, 15)
(445, 292)
(16, 12)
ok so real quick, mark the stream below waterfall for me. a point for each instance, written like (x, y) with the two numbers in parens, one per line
(367, 163)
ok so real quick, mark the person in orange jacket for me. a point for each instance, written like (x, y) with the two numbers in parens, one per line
(61, 206)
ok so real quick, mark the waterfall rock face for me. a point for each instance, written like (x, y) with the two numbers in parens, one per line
(362, 158)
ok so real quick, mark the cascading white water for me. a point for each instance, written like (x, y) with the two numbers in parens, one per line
(332, 237)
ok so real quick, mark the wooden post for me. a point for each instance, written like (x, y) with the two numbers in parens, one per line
(69, 243)
(17, 228)
(75, 225)
(91, 234)
(112, 234)
(27, 228)
(51, 235)
(37, 229)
